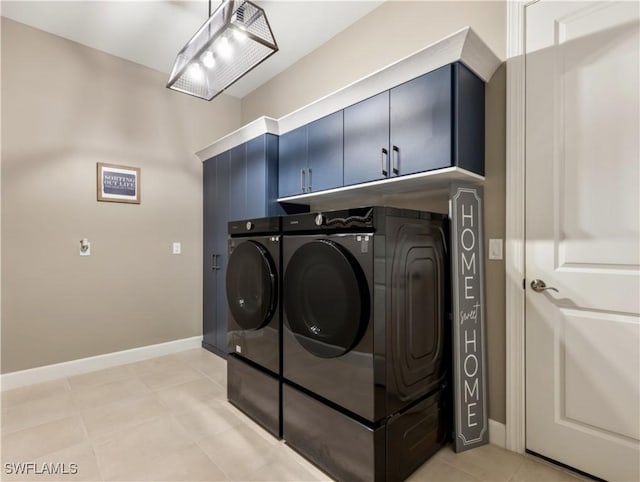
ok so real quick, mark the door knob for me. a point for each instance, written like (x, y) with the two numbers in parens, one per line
(539, 286)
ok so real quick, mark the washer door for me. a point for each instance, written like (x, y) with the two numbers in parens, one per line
(252, 287)
(326, 298)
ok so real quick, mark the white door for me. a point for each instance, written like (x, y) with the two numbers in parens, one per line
(582, 235)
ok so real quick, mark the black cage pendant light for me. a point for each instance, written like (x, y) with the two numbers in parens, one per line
(235, 39)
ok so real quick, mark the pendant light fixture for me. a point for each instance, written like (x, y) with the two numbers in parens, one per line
(235, 39)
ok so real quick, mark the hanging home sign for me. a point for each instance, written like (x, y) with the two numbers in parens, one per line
(469, 331)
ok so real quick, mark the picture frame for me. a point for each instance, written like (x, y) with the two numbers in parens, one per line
(117, 183)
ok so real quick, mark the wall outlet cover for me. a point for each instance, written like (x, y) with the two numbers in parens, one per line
(177, 248)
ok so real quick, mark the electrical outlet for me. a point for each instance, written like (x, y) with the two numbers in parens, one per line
(495, 249)
(177, 248)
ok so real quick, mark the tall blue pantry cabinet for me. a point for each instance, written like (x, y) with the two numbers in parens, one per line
(240, 183)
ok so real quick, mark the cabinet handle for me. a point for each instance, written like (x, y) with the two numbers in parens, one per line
(214, 262)
(309, 174)
(302, 180)
(395, 158)
(384, 157)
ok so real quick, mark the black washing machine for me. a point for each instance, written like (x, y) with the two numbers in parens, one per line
(366, 350)
(253, 289)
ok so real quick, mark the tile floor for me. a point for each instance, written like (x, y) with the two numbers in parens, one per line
(168, 419)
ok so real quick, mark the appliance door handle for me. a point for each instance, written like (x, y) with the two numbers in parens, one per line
(302, 180)
(384, 158)
(395, 155)
(309, 179)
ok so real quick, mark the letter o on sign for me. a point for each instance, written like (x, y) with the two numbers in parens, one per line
(462, 239)
(471, 356)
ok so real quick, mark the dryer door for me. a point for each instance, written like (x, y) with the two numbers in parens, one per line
(252, 285)
(326, 298)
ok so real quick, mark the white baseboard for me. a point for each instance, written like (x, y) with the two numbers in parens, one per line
(84, 365)
(497, 433)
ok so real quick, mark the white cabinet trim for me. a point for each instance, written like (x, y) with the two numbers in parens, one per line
(437, 179)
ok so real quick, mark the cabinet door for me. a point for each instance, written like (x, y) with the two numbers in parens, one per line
(421, 123)
(221, 249)
(292, 160)
(238, 183)
(468, 108)
(273, 207)
(325, 152)
(209, 288)
(366, 140)
(256, 202)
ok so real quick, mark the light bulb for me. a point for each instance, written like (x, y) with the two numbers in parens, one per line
(195, 72)
(208, 59)
(239, 34)
(224, 48)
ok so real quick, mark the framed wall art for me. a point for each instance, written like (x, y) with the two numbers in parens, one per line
(120, 184)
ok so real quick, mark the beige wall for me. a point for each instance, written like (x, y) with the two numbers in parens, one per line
(494, 223)
(389, 33)
(66, 107)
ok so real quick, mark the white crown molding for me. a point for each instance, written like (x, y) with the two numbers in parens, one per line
(262, 125)
(85, 365)
(464, 46)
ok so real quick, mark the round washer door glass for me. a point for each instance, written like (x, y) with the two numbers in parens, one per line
(326, 298)
(252, 288)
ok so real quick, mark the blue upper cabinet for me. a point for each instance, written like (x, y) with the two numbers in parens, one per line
(310, 157)
(431, 122)
(366, 140)
(262, 155)
(238, 182)
(325, 153)
(420, 123)
(468, 112)
(292, 162)
(253, 172)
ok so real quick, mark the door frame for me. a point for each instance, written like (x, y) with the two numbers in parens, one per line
(515, 227)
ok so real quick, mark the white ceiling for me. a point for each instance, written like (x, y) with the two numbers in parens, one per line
(152, 32)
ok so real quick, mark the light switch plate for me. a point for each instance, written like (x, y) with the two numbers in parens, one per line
(177, 248)
(495, 249)
(87, 250)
